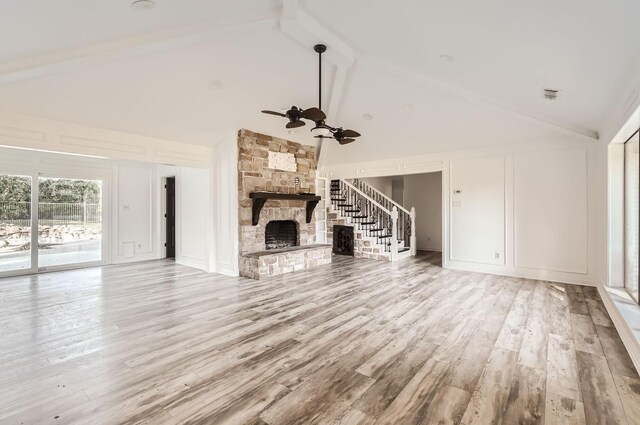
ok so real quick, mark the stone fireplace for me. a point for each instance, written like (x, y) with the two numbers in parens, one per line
(271, 249)
(281, 234)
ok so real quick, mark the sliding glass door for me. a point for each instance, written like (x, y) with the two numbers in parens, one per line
(15, 223)
(632, 215)
(49, 222)
(69, 221)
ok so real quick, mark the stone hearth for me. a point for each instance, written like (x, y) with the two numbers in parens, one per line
(254, 175)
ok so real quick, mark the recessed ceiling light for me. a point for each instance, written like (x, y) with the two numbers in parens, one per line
(408, 107)
(143, 4)
(367, 117)
(447, 58)
(215, 85)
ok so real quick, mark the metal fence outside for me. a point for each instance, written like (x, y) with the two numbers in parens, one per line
(50, 214)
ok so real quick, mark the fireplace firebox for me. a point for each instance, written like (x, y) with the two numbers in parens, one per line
(281, 234)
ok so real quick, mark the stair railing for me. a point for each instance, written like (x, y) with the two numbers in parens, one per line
(406, 220)
(384, 218)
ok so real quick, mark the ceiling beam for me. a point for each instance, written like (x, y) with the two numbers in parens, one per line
(475, 98)
(96, 54)
(304, 29)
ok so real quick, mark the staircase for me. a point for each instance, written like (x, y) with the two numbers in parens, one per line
(383, 229)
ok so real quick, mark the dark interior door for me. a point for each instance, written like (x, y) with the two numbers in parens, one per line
(170, 216)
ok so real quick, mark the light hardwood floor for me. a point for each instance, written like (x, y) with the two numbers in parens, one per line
(355, 342)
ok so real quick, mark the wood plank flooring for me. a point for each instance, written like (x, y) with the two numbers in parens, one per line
(357, 342)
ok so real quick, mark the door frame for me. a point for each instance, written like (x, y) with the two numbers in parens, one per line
(104, 245)
(53, 172)
(164, 227)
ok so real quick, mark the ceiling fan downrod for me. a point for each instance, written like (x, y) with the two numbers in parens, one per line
(320, 49)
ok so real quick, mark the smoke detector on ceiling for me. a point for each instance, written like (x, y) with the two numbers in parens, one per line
(550, 94)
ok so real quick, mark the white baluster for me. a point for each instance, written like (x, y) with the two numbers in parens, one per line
(412, 240)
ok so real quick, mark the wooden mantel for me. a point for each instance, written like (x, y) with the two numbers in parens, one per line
(259, 199)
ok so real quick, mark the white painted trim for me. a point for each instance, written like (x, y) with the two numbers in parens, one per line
(29, 133)
(537, 274)
(621, 325)
(304, 29)
(429, 163)
(196, 263)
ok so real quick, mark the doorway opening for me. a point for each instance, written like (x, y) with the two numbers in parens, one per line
(422, 191)
(170, 217)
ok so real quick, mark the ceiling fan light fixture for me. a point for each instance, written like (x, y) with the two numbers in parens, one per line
(321, 130)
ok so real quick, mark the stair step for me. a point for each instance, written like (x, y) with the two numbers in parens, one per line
(403, 250)
(339, 199)
(345, 205)
(367, 223)
(359, 216)
(375, 230)
(383, 236)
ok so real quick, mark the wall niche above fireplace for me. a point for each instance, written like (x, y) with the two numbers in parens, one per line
(281, 234)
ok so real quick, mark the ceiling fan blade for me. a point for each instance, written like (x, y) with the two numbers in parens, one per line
(350, 133)
(295, 124)
(346, 141)
(314, 114)
(280, 114)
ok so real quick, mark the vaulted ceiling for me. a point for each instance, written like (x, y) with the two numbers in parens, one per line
(195, 69)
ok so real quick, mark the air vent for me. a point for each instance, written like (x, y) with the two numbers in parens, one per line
(551, 94)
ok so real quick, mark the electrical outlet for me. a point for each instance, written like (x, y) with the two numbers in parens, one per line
(497, 255)
(428, 238)
(139, 245)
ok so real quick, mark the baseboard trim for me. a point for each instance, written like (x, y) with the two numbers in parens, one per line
(546, 275)
(196, 263)
(628, 339)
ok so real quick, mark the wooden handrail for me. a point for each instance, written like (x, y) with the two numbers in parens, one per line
(400, 207)
(366, 196)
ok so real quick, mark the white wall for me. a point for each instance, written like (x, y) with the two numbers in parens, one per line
(381, 184)
(531, 204)
(550, 210)
(424, 192)
(224, 251)
(138, 211)
(133, 197)
(133, 168)
(135, 207)
(397, 190)
(193, 217)
(477, 210)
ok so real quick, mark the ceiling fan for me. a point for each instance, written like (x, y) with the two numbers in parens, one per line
(321, 130)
